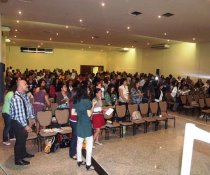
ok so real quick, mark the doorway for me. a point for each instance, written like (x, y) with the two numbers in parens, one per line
(89, 69)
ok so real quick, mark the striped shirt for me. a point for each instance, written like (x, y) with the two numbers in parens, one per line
(21, 108)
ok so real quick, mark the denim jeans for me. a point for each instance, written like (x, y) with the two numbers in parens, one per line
(73, 144)
(7, 127)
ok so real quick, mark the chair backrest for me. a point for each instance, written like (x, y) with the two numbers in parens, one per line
(201, 102)
(183, 99)
(169, 98)
(196, 97)
(189, 99)
(44, 118)
(144, 108)
(120, 110)
(163, 107)
(207, 102)
(54, 107)
(62, 116)
(201, 96)
(154, 107)
(132, 108)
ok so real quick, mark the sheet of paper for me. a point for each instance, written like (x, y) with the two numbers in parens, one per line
(109, 111)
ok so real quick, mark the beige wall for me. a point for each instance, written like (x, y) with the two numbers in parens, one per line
(72, 59)
(130, 61)
(61, 58)
(179, 59)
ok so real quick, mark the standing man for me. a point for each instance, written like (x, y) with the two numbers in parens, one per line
(21, 111)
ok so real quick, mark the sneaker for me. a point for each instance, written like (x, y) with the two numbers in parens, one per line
(6, 143)
(12, 139)
(98, 143)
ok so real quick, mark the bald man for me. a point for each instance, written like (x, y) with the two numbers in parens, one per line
(21, 110)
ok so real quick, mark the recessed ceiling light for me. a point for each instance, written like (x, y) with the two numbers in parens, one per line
(89, 47)
(108, 44)
(16, 30)
(193, 39)
(50, 39)
(159, 16)
(148, 44)
(67, 27)
(92, 37)
(15, 36)
(81, 41)
(38, 46)
(128, 27)
(80, 20)
(19, 12)
(57, 34)
(107, 31)
(168, 40)
(18, 21)
(165, 34)
(103, 4)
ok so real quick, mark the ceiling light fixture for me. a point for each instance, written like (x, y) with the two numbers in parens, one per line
(193, 39)
(57, 34)
(18, 21)
(165, 34)
(148, 44)
(67, 27)
(50, 39)
(108, 44)
(7, 40)
(107, 31)
(41, 44)
(159, 16)
(103, 4)
(81, 41)
(80, 20)
(128, 27)
(19, 12)
(15, 36)
(16, 30)
(89, 47)
(168, 40)
(92, 37)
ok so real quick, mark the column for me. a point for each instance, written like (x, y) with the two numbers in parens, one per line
(2, 67)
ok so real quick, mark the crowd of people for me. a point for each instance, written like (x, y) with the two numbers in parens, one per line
(30, 91)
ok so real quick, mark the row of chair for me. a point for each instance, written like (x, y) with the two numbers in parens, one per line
(44, 118)
(145, 109)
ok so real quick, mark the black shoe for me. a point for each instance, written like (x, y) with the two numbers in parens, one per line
(81, 163)
(90, 167)
(27, 162)
(28, 155)
(21, 162)
(73, 157)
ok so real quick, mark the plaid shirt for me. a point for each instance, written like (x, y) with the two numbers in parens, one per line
(17, 109)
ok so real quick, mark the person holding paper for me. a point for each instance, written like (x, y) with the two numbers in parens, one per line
(98, 116)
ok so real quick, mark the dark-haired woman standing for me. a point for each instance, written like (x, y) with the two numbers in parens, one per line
(84, 109)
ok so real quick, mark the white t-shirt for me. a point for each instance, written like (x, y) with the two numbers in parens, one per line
(174, 91)
(125, 92)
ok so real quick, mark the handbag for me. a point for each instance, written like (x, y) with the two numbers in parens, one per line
(50, 145)
(64, 141)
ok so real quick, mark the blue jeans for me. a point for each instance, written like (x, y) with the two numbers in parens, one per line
(73, 144)
(7, 127)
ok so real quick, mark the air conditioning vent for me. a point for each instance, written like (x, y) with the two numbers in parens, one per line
(35, 50)
(160, 46)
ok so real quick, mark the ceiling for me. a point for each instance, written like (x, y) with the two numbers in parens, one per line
(56, 23)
